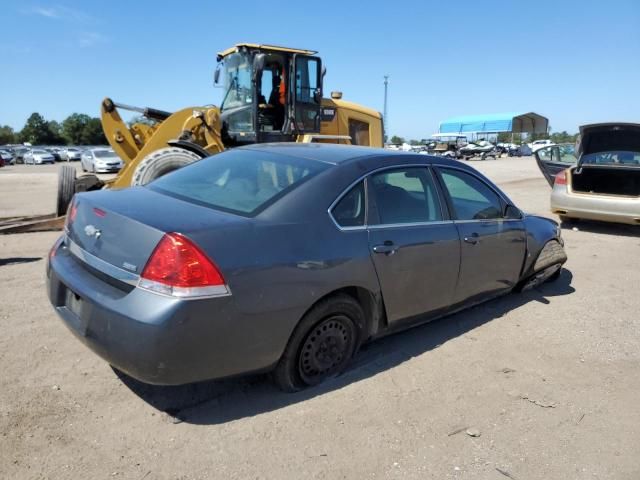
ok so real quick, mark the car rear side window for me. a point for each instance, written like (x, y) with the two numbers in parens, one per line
(472, 199)
(350, 210)
(405, 195)
(239, 181)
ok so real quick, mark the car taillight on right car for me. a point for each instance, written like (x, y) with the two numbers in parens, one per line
(561, 178)
(179, 268)
(72, 211)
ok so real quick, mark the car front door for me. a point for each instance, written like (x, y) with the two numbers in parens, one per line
(414, 245)
(493, 246)
(554, 159)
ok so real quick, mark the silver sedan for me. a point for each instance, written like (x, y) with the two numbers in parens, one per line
(38, 157)
(100, 160)
(600, 179)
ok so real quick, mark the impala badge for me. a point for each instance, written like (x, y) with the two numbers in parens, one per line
(91, 231)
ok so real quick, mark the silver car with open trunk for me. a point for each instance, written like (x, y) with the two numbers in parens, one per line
(601, 179)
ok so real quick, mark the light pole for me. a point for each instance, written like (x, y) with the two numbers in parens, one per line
(385, 122)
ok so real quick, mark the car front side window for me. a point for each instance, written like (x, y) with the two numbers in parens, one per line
(471, 198)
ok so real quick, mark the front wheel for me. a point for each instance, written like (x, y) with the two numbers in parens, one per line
(322, 344)
(547, 268)
(66, 188)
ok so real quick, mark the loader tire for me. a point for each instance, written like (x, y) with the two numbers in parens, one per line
(161, 162)
(66, 188)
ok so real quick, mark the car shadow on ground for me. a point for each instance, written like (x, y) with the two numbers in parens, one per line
(217, 402)
(606, 228)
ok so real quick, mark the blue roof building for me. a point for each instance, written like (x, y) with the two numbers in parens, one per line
(498, 122)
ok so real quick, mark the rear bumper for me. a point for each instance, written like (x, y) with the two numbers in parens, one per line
(606, 208)
(154, 338)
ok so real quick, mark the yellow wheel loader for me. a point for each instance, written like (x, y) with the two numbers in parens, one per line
(271, 94)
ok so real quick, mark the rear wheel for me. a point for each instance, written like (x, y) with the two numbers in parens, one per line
(66, 188)
(322, 344)
(161, 162)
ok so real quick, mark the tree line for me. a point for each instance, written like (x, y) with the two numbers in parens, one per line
(76, 129)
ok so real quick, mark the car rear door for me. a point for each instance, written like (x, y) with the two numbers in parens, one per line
(553, 159)
(493, 247)
(414, 245)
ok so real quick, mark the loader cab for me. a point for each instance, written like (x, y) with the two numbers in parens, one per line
(270, 94)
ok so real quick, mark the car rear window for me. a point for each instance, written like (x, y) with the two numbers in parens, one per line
(614, 157)
(244, 182)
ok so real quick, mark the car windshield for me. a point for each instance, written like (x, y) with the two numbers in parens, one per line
(40, 152)
(237, 72)
(240, 181)
(104, 154)
(614, 157)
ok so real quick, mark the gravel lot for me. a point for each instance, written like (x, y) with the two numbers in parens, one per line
(550, 380)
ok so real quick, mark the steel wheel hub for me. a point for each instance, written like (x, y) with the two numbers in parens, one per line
(324, 349)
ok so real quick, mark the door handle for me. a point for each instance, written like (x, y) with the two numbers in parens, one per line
(388, 248)
(472, 239)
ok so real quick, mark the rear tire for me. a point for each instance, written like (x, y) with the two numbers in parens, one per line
(322, 344)
(66, 188)
(161, 162)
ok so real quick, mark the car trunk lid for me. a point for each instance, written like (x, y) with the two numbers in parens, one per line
(607, 137)
(609, 177)
(123, 227)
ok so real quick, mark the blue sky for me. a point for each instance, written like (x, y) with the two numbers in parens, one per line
(573, 61)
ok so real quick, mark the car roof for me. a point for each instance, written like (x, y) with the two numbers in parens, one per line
(339, 154)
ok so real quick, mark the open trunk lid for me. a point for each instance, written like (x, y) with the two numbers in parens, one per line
(608, 160)
(123, 227)
(608, 137)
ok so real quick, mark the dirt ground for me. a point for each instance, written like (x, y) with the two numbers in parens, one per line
(550, 380)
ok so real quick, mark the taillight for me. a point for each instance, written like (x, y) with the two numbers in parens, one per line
(177, 267)
(72, 211)
(561, 178)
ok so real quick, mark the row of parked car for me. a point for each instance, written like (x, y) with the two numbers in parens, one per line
(95, 159)
(458, 146)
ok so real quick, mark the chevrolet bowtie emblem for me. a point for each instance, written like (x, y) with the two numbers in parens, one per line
(91, 231)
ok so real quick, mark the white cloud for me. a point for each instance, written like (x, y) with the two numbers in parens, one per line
(44, 12)
(59, 12)
(89, 39)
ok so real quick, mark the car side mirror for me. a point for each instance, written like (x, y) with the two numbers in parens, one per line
(216, 75)
(512, 212)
